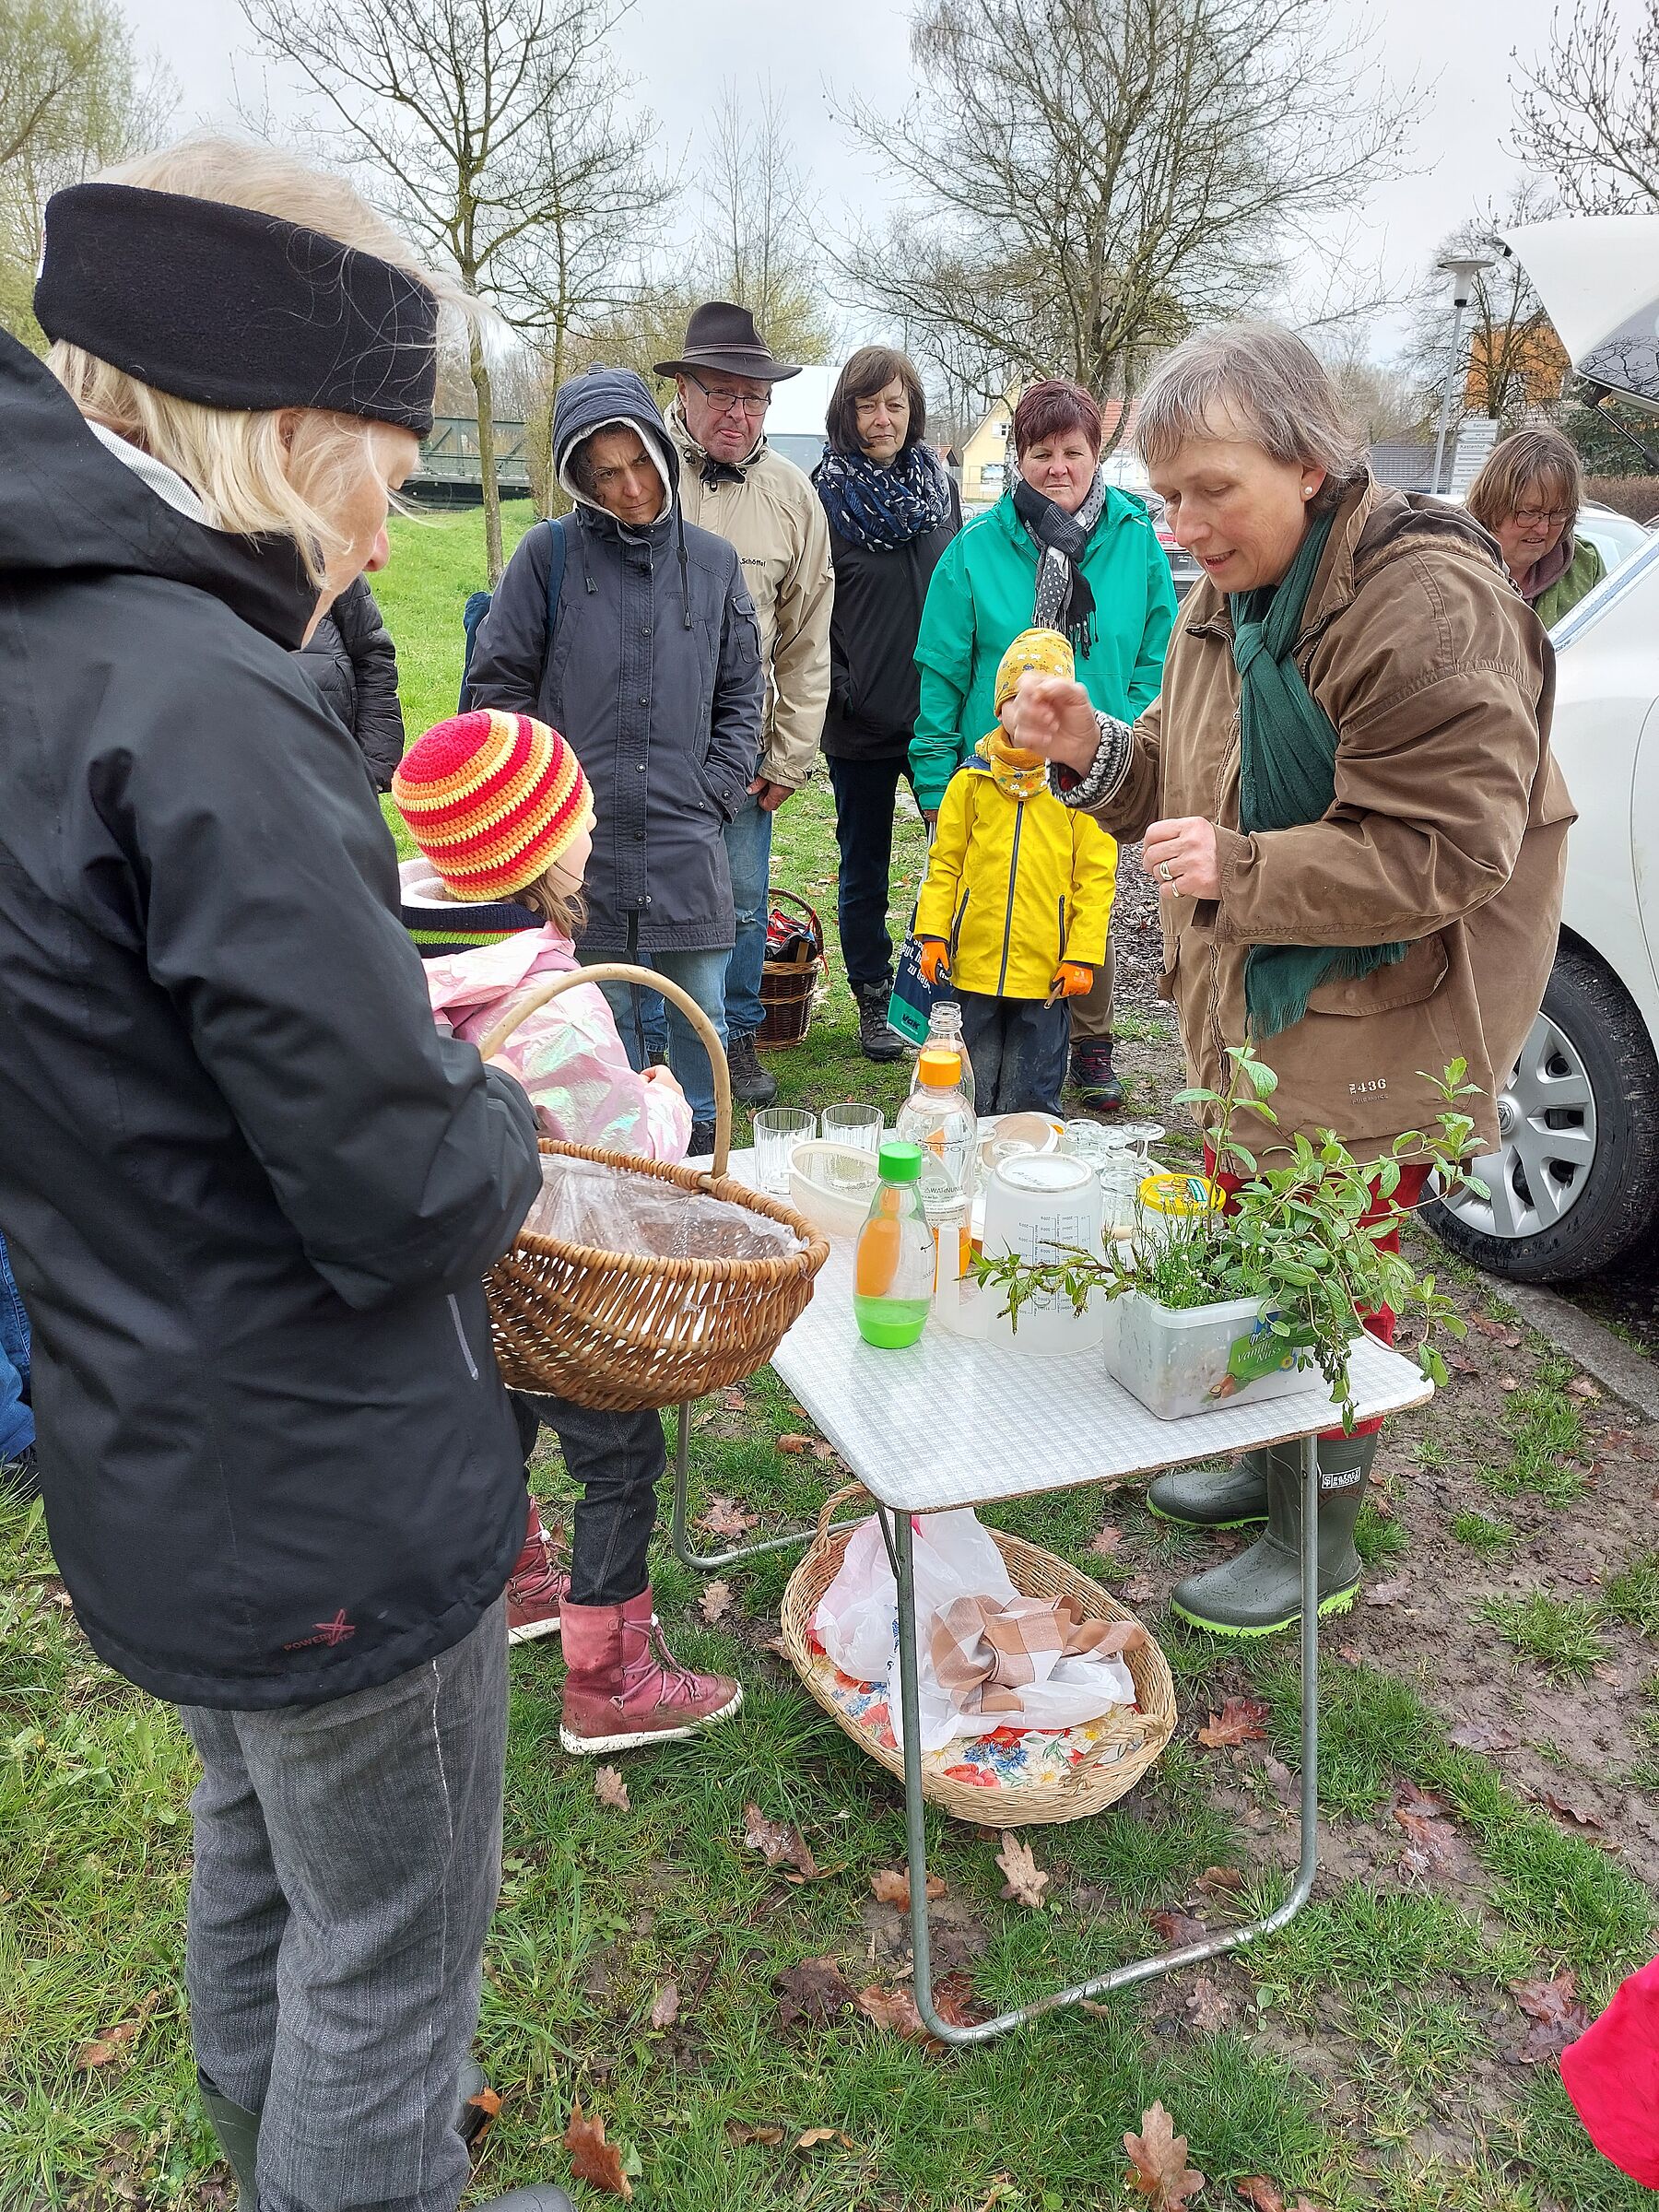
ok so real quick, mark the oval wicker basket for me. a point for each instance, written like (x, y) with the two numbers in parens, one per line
(789, 989)
(1091, 1786)
(629, 1331)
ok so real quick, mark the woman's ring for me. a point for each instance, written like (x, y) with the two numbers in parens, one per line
(1166, 871)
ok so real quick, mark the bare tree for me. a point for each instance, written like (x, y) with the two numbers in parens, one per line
(492, 130)
(1084, 180)
(1510, 358)
(1588, 112)
(74, 96)
(759, 243)
(1384, 400)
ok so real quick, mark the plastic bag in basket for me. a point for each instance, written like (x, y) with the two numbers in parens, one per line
(989, 1658)
(614, 1209)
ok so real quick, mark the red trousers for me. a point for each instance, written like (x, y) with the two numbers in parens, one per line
(1380, 1323)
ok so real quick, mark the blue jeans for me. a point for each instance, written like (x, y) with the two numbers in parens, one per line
(748, 856)
(702, 976)
(1016, 1048)
(866, 793)
(17, 1419)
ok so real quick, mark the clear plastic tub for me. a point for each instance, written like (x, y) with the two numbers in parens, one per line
(1175, 1362)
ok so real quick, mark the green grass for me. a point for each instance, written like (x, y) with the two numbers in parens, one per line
(1633, 1594)
(1480, 1534)
(1561, 1634)
(1545, 1429)
(1395, 1984)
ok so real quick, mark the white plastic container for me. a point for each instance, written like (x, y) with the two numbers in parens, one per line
(1174, 1360)
(832, 1184)
(1042, 1206)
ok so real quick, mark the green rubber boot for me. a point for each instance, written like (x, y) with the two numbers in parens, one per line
(1260, 1592)
(1198, 1497)
(238, 2133)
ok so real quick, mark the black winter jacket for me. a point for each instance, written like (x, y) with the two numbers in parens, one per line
(351, 659)
(665, 716)
(248, 1189)
(874, 690)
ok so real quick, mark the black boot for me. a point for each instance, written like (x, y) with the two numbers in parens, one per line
(238, 2133)
(1260, 1592)
(1092, 1078)
(702, 1140)
(1201, 1500)
(876, 1040)
(751, 1084)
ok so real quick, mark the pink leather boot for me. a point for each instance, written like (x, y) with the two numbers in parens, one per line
(623, 1688)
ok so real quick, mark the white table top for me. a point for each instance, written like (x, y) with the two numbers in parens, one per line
(950, 1422)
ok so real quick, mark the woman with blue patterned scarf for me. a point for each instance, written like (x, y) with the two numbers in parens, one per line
(892, 511)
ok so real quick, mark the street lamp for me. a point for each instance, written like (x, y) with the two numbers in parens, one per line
(1462, 275)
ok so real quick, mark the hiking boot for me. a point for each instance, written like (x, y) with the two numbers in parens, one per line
(539, 2197)
(877, 1038)
(1200, 1499)
(238, 2133)
(751, 1083)
(623, 1688)
(1260, 1591)
(537, 1585)
(1092, 1078)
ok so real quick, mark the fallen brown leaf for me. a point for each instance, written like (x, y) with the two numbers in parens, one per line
(715, 1602)
(890, 1886)
(1385, 1593)
(1483, 1736)
(1559, 2018)
(665, 2011)
(486, 2103)
(1257, 2190)
(955, 2001)
(1219, 1881)
(1178, 1929)
(740, 2131)
(1026, 1881)
(1568, 1809)
(1509, 1382)
(1158, 2170)
(1138, 1590)
(1350, 1654)
(610, 1789)
(1582, 1387)
(1209, 2005)
(1240, 1721)
(734, 1401)
(1107, 1542)
(593, 2160)
(1285, 1785)
(1498, 1331)
(109, 2043)
(815, 2135)
(725, 1517)
(1460, 1364)
(777, 1842)
(895, 2009)
(815, 1991)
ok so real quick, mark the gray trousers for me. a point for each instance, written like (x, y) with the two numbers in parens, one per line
(347, 1858)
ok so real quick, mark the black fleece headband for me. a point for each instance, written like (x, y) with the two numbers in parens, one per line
(235, 308)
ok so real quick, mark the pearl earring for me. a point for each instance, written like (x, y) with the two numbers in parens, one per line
(1307, 491)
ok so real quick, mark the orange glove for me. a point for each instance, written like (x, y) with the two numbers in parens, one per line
(1071, 981)
(936, 964)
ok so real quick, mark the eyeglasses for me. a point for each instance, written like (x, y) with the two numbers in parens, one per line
(1551, 517)
(733, 403)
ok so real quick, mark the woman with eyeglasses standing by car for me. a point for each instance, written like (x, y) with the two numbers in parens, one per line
(892, 511)
(1528, 496)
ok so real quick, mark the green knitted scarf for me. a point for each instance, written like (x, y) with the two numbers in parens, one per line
(1287, 776)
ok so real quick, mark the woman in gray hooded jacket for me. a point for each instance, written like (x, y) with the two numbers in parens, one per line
(652, 674)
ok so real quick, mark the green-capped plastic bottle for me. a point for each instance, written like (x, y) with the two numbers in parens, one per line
(896, 1261)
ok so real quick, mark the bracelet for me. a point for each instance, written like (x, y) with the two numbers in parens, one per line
(1108, 769)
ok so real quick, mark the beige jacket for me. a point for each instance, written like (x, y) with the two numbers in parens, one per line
(776, 521)
(1449, 825)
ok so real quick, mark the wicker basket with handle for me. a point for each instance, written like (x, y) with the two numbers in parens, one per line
(625, 1332)
(1136, 1735)
(789, 989)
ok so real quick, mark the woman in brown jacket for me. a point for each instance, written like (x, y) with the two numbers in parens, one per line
(1392, 910)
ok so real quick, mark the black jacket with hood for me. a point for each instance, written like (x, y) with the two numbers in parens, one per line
(350, 658)
(248, 1190)
(652, 674)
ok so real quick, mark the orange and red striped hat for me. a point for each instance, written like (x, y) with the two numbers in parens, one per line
(492, 800)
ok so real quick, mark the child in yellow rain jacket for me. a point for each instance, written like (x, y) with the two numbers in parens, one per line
(1015, 905)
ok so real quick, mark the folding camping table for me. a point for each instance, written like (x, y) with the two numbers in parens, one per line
(949, 1423)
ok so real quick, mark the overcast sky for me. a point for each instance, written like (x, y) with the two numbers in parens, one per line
(680, 50)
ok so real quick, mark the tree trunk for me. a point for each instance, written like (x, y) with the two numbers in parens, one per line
(493, 563)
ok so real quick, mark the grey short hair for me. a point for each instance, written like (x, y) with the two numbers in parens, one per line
(1273, 384)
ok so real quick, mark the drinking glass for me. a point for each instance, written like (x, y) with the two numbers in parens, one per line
(778, 1129)
(858, 1125)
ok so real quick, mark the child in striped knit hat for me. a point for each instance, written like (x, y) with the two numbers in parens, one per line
(500, 810)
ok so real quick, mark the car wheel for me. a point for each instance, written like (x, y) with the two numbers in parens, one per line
(1576, 1182)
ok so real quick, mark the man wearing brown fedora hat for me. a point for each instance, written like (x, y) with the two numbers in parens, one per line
(733, 484)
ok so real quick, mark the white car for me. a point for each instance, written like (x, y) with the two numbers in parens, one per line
(1576, 1183)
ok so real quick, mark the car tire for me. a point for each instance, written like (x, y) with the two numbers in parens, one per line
(1603, 1193)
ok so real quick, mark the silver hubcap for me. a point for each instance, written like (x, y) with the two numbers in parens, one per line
(1547, 1138)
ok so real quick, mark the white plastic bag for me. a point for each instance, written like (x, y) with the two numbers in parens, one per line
(955, 1556)
(614, 1209)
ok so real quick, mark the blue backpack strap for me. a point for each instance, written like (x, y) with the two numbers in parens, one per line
(478, 603)
(556, 568)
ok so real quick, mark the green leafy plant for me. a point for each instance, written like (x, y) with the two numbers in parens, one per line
(1292, 1239)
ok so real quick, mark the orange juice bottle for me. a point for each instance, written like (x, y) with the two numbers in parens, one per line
(894, 1266)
